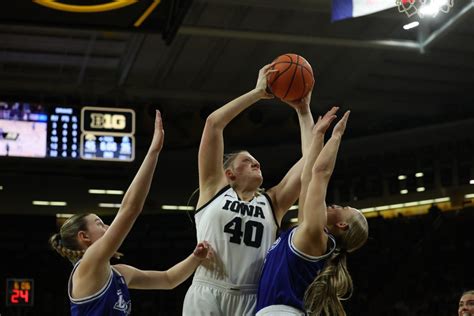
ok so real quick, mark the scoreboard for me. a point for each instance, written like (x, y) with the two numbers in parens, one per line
(59, 131)
(107, 133)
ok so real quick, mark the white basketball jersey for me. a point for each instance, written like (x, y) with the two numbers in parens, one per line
(241, 234)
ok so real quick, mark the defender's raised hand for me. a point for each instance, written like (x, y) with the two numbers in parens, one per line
(325, 121)
(158, 134)
(340, 127)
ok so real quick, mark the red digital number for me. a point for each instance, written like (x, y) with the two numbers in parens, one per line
(19, 294)
(25, 295)
(14, 296)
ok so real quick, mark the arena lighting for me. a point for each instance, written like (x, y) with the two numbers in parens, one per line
(469, 196)
(420, 189)
(402, 177)
(114, 192)
(404, 191)
(411, 25)
(109, 205)
(1, 187)
(409, 204)
(419, 174)
(433, 8)
(293, 207)
(63, 215)
(96, 191)
(396, 206)
(177, 208)
(49, 203)
(102, 191)
(470, 182)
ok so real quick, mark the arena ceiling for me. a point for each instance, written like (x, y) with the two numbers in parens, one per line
(393, 80)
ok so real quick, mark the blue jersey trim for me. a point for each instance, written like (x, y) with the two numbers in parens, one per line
(307, 257)
(92, 297)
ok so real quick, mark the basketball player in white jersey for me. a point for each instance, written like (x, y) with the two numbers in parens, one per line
(232, 213)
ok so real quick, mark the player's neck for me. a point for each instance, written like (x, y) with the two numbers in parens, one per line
(245, 195)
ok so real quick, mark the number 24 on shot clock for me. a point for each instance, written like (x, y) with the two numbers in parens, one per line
(19, 292)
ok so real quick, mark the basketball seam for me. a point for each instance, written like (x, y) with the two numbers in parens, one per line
(304, 83)
(292, 78)
(293, 63)
(282, 72)
(308, 69)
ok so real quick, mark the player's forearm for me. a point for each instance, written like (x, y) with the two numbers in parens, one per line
(310, 157)
(182, 271)
(326, 160)
(306, 122)
(222, 116)
(137, 192)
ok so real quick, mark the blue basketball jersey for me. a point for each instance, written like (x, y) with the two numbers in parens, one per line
(112, 300)
(287, 273)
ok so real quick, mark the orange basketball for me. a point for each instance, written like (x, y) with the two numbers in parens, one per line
(294, 78)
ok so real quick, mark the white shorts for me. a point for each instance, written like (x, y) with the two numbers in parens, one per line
(208, 298)
(280, 310)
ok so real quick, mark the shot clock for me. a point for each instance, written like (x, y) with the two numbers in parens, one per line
(20, 292)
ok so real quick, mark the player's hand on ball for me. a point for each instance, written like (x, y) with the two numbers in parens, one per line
(301, 105)
(262, 81)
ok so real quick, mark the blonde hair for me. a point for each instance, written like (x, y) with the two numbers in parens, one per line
(230, 158)
(65, 242)
(323, 296)
(470, 292)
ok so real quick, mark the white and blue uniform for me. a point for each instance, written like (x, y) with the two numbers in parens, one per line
(286, 275)
(241, 234)
(113, 299)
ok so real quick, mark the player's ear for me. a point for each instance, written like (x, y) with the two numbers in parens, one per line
(83, 237)
(342, 226)
(230, 174)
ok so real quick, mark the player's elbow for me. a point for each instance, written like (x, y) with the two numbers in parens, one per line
(322, 171)
(213, 122)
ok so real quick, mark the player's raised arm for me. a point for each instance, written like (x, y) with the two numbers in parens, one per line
(211, 149)
(310, 237)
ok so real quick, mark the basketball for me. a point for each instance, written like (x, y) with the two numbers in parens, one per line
(294, 78)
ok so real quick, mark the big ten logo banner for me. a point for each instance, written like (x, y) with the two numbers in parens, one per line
(108, 120)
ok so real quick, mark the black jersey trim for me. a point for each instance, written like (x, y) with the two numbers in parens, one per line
(273, 210)
(213, 198)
